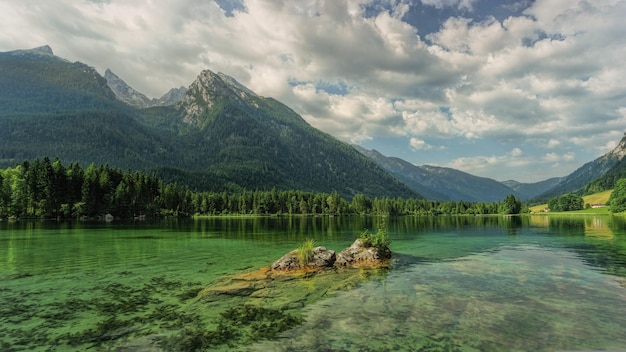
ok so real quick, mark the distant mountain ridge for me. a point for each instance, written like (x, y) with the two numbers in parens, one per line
(531, 190)
(219, 136)
(442, 183)
(611, 164)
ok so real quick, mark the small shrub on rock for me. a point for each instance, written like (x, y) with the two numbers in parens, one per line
(379, 240)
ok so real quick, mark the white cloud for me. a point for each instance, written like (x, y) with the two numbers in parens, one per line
(553, 143)
(514, 165)
(569, 156)
(418, 144)
(551, 157)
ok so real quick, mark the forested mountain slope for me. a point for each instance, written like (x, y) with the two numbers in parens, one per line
(221, 136)
(49, 106)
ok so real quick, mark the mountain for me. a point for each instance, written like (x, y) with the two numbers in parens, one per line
(126, 93)
(173, 96)
(52, 107)
(219, 136)
(532, 190)
(441, 183)
(460, 185)
(259, 142)
(617, 171)
(413, 176)
(130, 96)
(592, 176)
(37, 81)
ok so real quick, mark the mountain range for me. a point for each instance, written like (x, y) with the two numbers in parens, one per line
(219, 135)
(441, 183)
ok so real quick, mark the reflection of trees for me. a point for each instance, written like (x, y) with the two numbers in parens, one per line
(429, 223)
(512, 224)
(598, 246)
(567, 225)
(618, 223)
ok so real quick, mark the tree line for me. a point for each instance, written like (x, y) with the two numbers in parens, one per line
(566, 202)
(48, 189)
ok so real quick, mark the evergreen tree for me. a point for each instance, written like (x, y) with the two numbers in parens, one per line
(617, 200)
(511, 205)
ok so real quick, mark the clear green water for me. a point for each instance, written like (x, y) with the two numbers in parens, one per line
(457, 284)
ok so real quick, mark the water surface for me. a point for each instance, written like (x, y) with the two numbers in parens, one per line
(456, 284)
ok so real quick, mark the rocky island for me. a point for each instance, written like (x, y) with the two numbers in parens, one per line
(263, 303)
(369, 251)
(360, 253)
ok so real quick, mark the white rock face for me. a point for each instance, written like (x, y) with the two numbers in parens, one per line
(173, 96)
(620, 150)
(201, 95)
(124, 92)
(132, 97)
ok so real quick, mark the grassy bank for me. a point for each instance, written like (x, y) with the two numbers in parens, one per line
(596, 198)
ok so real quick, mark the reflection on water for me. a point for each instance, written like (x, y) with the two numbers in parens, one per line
(457, 284)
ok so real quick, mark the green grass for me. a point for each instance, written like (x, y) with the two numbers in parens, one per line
(304, 252)
(596, 198)
(596, 211)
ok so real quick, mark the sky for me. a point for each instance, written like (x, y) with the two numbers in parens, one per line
(505, 89)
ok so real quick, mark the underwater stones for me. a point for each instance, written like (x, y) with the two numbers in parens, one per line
(241, 285)
(241, 289)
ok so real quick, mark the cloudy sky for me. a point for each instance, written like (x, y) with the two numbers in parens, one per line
(507, 89)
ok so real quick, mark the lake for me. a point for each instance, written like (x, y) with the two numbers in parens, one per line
(529, 283)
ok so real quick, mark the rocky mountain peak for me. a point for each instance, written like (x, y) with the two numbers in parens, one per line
(172, 97)
(45, 50)
(209, 86)
(243, 91)
(124, 92)
(42, 50)
(620, 150)
(132, 97)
